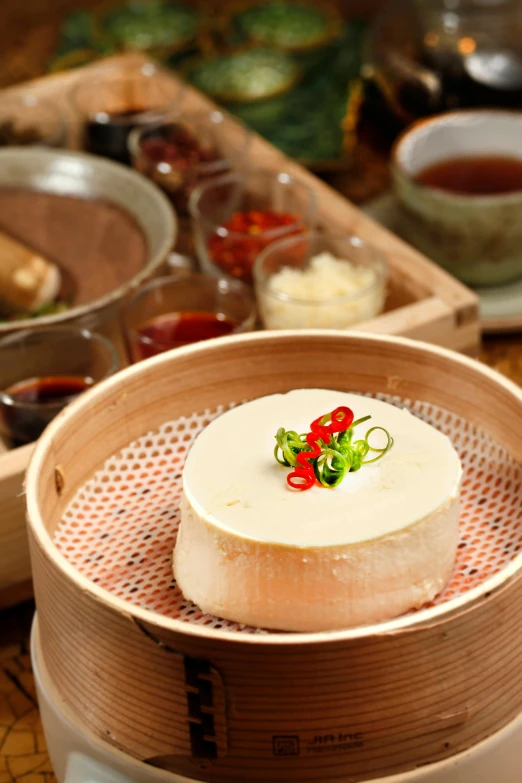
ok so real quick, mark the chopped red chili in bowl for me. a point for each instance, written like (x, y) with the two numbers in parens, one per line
(241, 239)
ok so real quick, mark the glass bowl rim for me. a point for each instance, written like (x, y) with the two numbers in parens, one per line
(281, 176)
(198, 118)
(379, 264)
(30, 100)
(95, 337)
(147, 70)
(226, 285)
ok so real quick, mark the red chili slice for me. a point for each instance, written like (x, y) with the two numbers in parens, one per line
(302, 476)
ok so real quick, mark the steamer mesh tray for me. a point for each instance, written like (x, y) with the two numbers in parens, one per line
(120, 529)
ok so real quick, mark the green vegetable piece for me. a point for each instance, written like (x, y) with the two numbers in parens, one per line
(340, 456)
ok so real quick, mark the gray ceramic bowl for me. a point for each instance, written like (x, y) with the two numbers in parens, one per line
(86, 176)
(478, 238)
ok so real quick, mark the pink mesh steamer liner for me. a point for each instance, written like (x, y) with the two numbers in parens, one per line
(120, 529)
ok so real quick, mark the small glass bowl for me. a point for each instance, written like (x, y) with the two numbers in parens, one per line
(42, 371)
(327, 304)
(157, 152)
(183, 308)
(211, 205)
(113, 103)
(26, 120)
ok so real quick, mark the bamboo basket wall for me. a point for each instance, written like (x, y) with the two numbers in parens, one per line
(219, 706)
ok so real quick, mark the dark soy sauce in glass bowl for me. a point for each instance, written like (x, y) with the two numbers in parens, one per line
(112, 104)
(27, 407)
(42, 371)
(107, 134)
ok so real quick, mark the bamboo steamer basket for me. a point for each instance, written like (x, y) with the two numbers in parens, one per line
(209, 703)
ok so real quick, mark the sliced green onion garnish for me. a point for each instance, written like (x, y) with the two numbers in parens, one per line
(341, 455)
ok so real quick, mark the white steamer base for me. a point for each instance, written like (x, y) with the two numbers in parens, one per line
(78, 756)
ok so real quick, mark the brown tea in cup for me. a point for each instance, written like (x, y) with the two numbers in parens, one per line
(458, 180)
(474, 175)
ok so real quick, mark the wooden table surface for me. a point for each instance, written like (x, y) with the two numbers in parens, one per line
(28, 33)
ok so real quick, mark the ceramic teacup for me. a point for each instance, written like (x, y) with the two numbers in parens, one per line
(478, 238)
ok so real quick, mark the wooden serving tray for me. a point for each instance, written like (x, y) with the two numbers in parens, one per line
(424, 302)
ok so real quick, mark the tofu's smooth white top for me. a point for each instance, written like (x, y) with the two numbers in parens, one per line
(232, 479)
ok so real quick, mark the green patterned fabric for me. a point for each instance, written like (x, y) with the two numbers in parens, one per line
(283, 24)
(297, 101)
(307, 122)
(147, 24)
(245, 76)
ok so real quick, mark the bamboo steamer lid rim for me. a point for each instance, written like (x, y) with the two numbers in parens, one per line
(44, 452)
